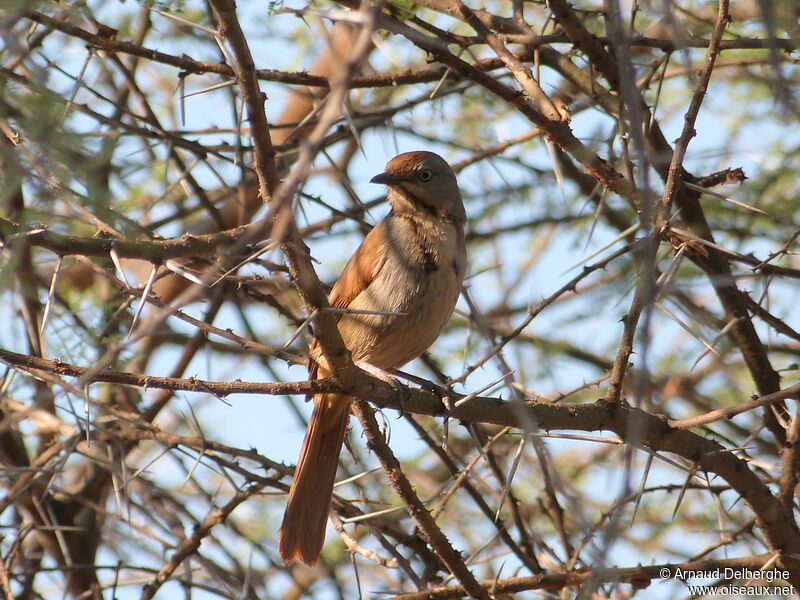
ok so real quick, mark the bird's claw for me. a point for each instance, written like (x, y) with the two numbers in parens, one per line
(387, 378)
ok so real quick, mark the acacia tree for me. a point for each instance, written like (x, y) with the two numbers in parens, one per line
(613, 403)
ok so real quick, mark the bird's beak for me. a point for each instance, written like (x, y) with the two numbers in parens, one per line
(385, 178)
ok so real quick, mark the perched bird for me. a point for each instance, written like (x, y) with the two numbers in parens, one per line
(410, 265)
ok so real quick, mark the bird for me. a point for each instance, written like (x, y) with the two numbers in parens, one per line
(405, 278)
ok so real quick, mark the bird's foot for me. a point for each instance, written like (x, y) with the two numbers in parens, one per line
(388, 378)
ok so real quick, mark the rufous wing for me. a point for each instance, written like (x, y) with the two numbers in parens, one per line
(361, 269)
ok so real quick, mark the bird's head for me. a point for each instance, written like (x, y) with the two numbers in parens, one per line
(422, 181)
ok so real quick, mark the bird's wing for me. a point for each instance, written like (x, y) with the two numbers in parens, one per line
(361, 269)
(358, 273)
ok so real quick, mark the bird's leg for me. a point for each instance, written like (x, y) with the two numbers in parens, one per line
(388, 378)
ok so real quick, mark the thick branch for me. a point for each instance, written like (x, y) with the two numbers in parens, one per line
(154, 250)
(638, 576)
(421, 515)
(189, 384)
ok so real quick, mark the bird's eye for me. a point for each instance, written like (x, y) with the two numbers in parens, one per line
(425, 175)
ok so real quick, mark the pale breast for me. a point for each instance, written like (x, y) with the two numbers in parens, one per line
(421, 278)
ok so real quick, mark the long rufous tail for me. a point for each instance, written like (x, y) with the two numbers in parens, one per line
(302, 532)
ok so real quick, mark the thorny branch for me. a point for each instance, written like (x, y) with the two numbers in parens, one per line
(556, 118)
